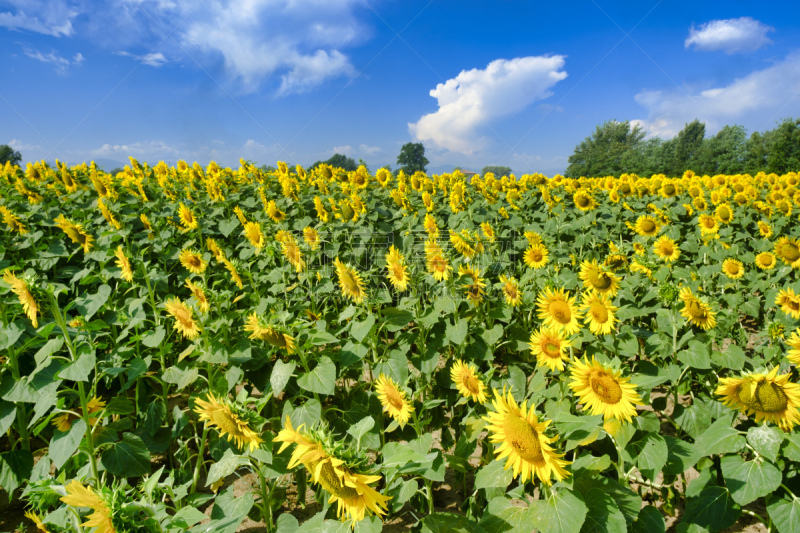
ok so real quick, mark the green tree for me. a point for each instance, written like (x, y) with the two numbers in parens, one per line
(647, 158)
(688, 144)
(412, 158)
(338, 161)
(8, 154)
(757, 151)
(724, 153)
(603, 152)
(498, 171)
(784, 154)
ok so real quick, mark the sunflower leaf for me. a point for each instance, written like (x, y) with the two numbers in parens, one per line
(562, 512)
(64, 443)
(322, 379)
(785, 514)
(765, 440)
(494, 475)
(720, 438)
(749, 480)
(713, 509)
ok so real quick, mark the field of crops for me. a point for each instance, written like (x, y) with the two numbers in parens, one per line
(368, 351)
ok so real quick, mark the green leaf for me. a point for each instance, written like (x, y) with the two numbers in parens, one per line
(681, 456)
(79, 370)
(650, 520)
(713, 509)
(8, 413)
(696, 355)
(322, 379)
(226, 227)
(493, 475)
(785, 515)
(52, 346)
(502, 516)
(561, 512)
(765, 440)
(449, 523)
(16, 468)
(64, 443)
(309, 414)
(155, 338)
(287, 523)
(226, 466)
(720, 438)
(281, 374)
(361, 428)
(360, 330)
(89, 305)
(791, 448)
(733, 357)
(603, 514)
(180, 377)
(749, 480)
(187, 517)
(317, 338)
(457, 333)
(127, 458)
(396, 319)
(650, 453)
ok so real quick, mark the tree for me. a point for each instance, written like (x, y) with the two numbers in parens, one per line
(602, 153)
(724, 153)
(338, 161)
(498, 171)
(688, 145)
(412, 158)
(784, 154)
(8, 154)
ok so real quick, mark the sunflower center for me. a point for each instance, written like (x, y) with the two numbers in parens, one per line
(601, 281)
(583, 201)
(605, 386)
(225, 420)
(724, 213)
(471, 383)
(768, 398)
(193, 261)
(535, 256)
(790, 251)
(669, 189)
(709, 222)
(398, 272)
(648, 226)
(697, 310)
(792, 303)
(560, 310)
(523, 438)
(393, 398)
(666, 248)
(331, 482)
(184, 317)
(599, 311)
(551, 349)
(733, 269)
(439, 264)
(511, 291)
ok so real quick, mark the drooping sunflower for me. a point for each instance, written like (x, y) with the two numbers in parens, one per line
(396, 269)
(793, 342)
(63, 422)
(696, 311)
(733, 268)
(436, 261)
(603, 391)
(393, 399)
(268, 332)
(536, 255)
(182, 313)
(232, 421)
(192, 261)
(230, 265)
(598, 313)
(430, 226)
(291, 251)
(22, 289)
(203, 305)
(647, 226)
(252, 230)
(597, 279)
(523, 441)
(549, 346)
(465, 377)
(80, 496)
(37, 521)
(558, 310)
(770, 397)
(350, 282)
(214, 248)
(511, 290)
(188, 220)
(474, 290)
(75, 232)
(311, 237)
(789, 302)
(124, 264)
(275, 214)
(615, 261)
(764, 229)
(709, 224)
(766, 261)
(665, 248)
(788, 249)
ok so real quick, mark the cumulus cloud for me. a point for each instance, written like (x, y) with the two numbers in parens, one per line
(476, 97)
(153, 59)
(61, 64)
(49, 17)
(750, 99)
(149, 150)
(740, 35)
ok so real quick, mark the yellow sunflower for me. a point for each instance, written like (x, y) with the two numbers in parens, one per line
(203, 305)
(269, 333)
(275, 214)
(393, 399)
(63, 422)
(789, 302)
(436, 261)
(37, 521)
(291, 251)
(474, 290)
(192, 261)
(788, 249)
(616, 261)
(252, 230)
(793, 342)
(430, 226)
(558, 310)
(583, 200)
(536, 255)
(182, 313)
(188, 220)
(80, 496)
(724, 213)
(666, 249)
(124, 264)
(647, 226)
(230, 420)
(465, 377)
(21, 288)
(350, 282)
(75, 232)
(511, 290)
(766, 260)
(603, 391)
(709, 225)
(231, 266)
(524, 444)
(549, 346)
(596, 278)
(770, 397)
(396, 269)
(764, 229)
(733, 268)
(311, 236)
(697, 311)
(598, 313)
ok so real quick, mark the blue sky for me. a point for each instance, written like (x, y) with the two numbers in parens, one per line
(478, 83)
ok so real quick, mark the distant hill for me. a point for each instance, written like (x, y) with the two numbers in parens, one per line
(109, 164)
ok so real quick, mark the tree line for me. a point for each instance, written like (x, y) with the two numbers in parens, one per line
(618, 147)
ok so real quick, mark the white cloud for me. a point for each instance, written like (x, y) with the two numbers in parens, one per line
(22, 147)
(153, 59)
(370, 150)
(344, 150)
(50, 17)
(751, 99)
(151, 150)
(475, 97)
(61, 64)
(744, 34)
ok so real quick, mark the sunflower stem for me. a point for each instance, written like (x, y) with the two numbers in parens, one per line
(22, 418)
(200, 453)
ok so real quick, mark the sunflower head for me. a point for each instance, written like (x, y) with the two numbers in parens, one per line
(766, 261)
(469, 384)
(788, 249)
(598, 279)
(647, 226)
(666, 249)
(769, 397)
(789, 302)
(393, 399)
(350, 282)
(603, 391)
(549, 346)
(733, 268)
(696, 311)
(536, 255)
(233, 421)
(557, 309)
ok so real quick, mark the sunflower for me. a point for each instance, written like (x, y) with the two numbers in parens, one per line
(124, 264)
(322, 213)
(192, 261)
(231, 266)
(532, 237)
(467, 382)
(665, 248)
(430, 226)
(436, 262)
(597, 279)
(793, 355)
(697, 311)
(12, 221)
(474, 290)
(252, 230)
(789, 302)
(397, 272)
(188, 219)
(182, 313)
(615, 261)
(599, 313)
(603, 391)
(465, 244)
(64, 421)
(393, 399)
(770, 397)
(733, 268)
(788, 249)
(583, 200)
(232, 422)
(511, 290)
(199, 294)
(647, 226)
(75, 232)
(37, 521)
(766, 260)
(724, 213)
(764, 229)
(709, 225)
(214, 248)
(22, 289)
(488, 231)
(558, 310)
(349, 282)
(311, 237)
(275, 214)
(524, 442)
(269, 333)
(80, 496)
(549, 346)
(291, 251)
(536, 255)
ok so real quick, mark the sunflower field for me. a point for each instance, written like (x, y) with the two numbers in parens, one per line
(214, 349)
